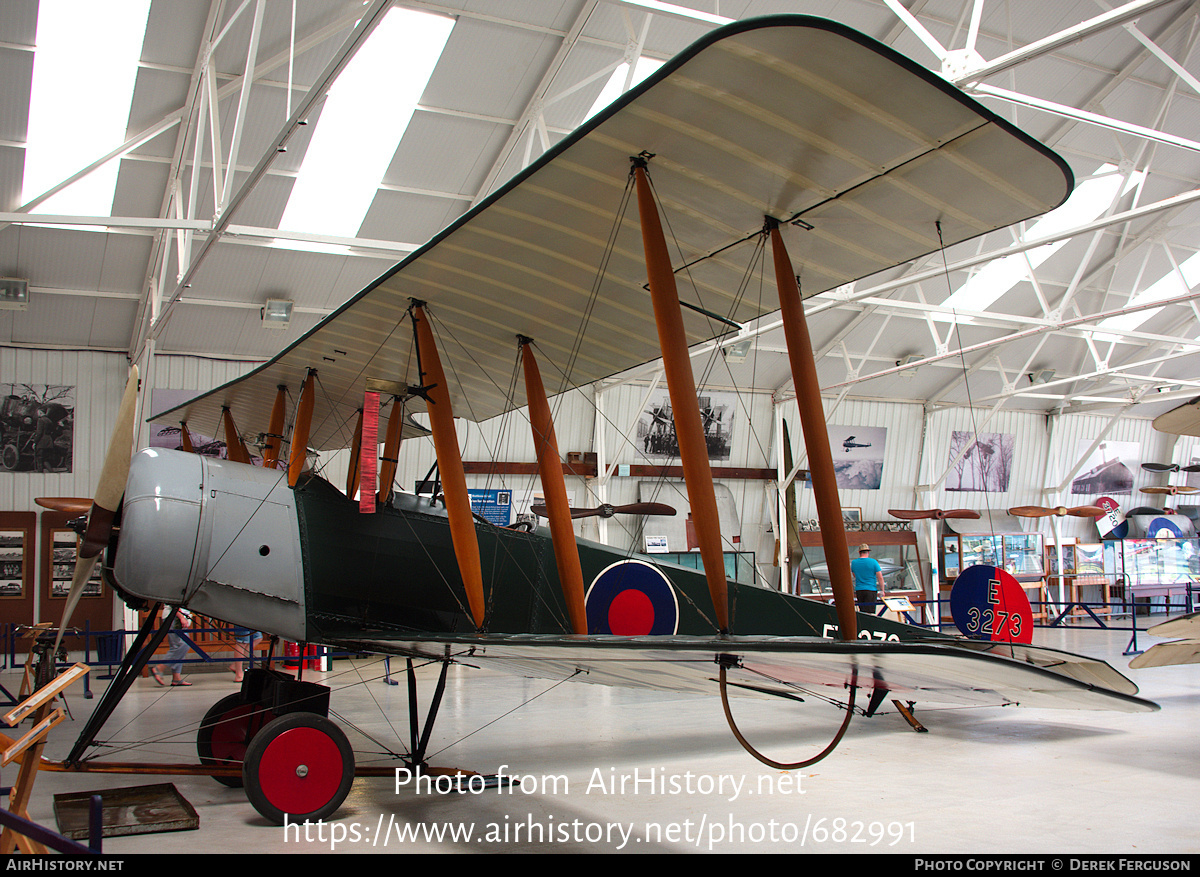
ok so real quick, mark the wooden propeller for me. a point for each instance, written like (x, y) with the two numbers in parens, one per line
(607, 511)
(72, 505)
(1035, 511)
(1170, 467)
(933, 514)
(1171, 490)
(104, 505)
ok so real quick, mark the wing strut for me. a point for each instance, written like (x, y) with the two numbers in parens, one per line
(354, 470)
(562, 534)
(816, 436)
(274, 436)
(454, 479)
(391, 449)
(304, 412)
(235, 449)
(681, 386)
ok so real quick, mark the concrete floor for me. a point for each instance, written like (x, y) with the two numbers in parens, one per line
(982, 780)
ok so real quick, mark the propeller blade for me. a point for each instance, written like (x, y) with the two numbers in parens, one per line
(1036, 511)
(607, 511)
(109, 492)
(1033, 511)
(1161, 467)
(1170, 490)
(72, 505)
(933, 514)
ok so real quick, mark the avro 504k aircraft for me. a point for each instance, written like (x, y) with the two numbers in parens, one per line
(790, 137)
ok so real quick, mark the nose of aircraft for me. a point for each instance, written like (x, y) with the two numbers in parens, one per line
(160, 524)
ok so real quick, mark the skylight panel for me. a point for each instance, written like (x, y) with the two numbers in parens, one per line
(1089, 200)
(84, 68)
(365, 115)
(615, 87)
(1172, 284)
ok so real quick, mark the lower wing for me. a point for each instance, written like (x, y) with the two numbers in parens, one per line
(937, 671)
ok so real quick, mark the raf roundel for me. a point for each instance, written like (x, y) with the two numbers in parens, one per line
(632, 598)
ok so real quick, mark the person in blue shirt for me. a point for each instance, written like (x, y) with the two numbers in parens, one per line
(868, 580)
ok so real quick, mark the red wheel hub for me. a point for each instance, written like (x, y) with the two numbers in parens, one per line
(300, 770)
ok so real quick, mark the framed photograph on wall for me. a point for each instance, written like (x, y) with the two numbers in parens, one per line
(12, 563)
(852, 518)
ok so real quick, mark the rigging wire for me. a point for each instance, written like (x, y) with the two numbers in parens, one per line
(970, 404)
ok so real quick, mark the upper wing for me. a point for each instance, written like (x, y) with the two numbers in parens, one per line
(858, 151)
(935, 671)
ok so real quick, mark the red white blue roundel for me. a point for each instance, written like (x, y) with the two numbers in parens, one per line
(632, 598)
(1163, 528)
(989, 604)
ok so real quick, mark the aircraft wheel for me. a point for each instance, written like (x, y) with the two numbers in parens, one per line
(226, 732)
(300, 766)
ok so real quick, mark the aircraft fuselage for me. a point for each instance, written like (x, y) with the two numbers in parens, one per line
(234, 542)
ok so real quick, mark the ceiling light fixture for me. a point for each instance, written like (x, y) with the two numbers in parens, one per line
(276, 313)
(14, 293)
(738, 350)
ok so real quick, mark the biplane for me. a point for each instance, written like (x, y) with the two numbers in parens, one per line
(849, 444)
(788, 141)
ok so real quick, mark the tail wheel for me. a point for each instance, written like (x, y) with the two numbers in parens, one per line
(299, 766)
(226, 732)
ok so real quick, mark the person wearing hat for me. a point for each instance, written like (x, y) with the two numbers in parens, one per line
(868, 580)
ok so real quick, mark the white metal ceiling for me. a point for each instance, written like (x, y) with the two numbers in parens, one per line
(517, 77)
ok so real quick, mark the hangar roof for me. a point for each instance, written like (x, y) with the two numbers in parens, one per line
(1057, 314)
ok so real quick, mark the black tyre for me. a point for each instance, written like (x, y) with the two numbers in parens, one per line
(226, 732)
(299, 766)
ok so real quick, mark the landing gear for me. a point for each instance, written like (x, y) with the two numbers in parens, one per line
(226, 732)
(294, 762)
(299, 766)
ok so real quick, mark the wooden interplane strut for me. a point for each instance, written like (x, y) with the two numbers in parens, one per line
(816, 437)
(681, 386)
(391, 450)
(304, 411)
(274, 436)
(235, 449)
(450, 468)
(562, 534)
(354, 470)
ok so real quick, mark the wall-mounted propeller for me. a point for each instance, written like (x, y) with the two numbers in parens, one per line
(1034, 511)
(607, 511)
(1171, 490)
(933, 514)
(1170, 467)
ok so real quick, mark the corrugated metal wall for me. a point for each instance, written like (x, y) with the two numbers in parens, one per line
(99, 380)
(917, 452)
